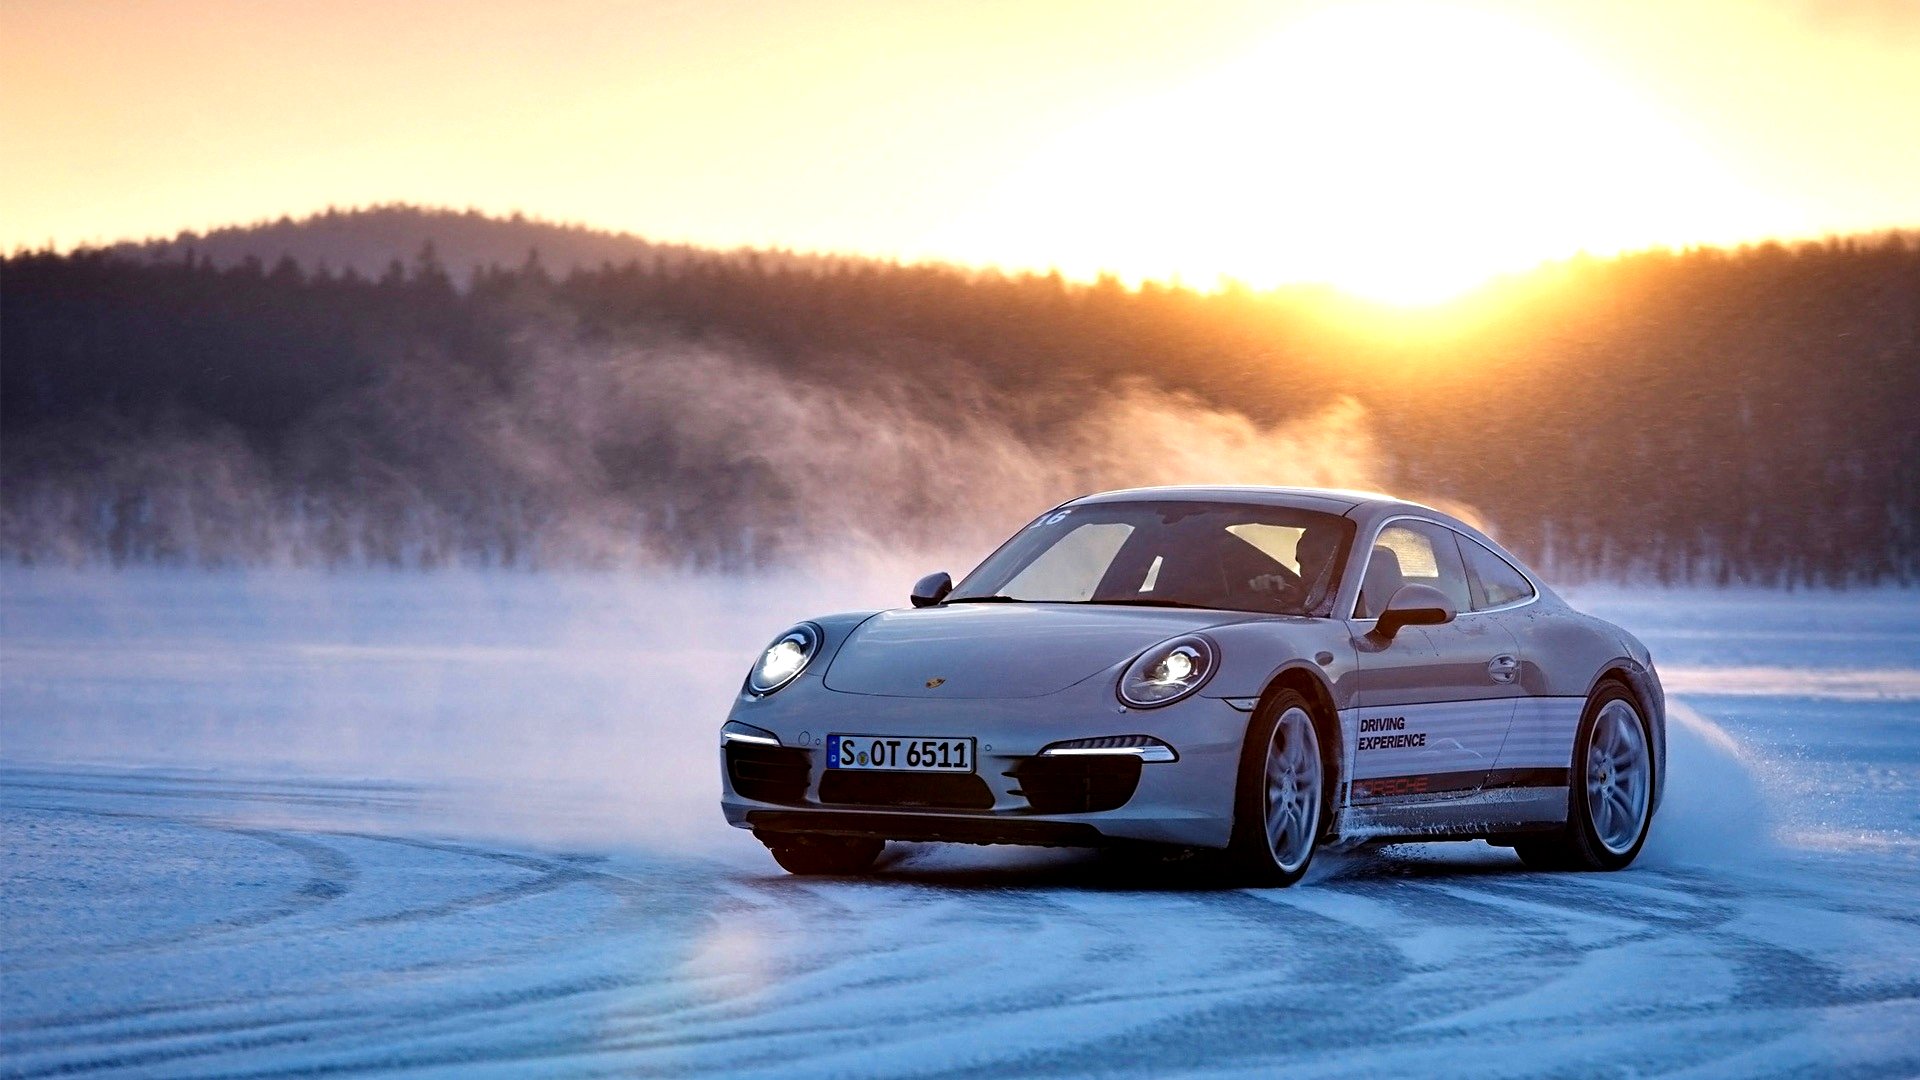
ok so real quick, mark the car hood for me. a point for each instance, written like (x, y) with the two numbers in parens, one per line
(1001, 650)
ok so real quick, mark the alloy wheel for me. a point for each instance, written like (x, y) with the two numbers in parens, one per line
(1293, 782)
(1619, 773)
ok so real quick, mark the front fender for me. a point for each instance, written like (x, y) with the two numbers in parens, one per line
(1254, 654)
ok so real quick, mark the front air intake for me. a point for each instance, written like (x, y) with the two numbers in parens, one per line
(774, 774)
(932, 791)
(1085, 784)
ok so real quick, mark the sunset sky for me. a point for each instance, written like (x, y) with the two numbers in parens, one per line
(1398, 149)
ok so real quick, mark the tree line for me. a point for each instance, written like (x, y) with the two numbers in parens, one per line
(1713, 415)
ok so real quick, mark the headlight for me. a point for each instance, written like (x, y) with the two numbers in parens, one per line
(1168, 672)
(785, 659)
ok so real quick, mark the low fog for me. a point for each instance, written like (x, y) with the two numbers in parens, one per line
(643, 455)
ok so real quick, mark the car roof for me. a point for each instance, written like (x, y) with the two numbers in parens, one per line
(1330, 500)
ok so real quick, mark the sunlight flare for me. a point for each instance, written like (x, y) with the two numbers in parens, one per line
(1403, 153)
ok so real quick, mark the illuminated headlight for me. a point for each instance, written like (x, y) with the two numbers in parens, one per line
(785, 659)
(1168, 672)
(1144, 747)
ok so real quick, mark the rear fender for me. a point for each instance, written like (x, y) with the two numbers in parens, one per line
(1641, 681)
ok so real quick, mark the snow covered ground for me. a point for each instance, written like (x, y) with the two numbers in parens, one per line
(295, 824)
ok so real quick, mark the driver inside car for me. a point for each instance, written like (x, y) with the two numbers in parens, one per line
(1315, 553)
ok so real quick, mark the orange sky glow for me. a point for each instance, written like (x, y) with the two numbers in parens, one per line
(1400, 150)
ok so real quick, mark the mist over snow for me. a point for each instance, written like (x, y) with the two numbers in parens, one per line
(746, 466)
(531, 705)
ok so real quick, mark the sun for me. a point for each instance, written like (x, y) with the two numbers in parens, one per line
(1401, 152)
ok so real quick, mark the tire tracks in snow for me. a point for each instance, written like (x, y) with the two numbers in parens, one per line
(1385, 961)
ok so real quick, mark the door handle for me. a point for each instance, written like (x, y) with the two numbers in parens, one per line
(1503, 668)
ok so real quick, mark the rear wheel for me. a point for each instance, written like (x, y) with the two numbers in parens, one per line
(1281, 794)
(1609, 790)
(811, 853)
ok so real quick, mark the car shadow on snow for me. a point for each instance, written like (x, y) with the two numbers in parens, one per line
(1128, 869)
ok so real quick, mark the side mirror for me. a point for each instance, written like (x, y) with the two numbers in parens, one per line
(931, 589)
(1414, 605)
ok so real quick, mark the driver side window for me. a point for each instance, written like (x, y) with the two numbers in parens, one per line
(1412, 553)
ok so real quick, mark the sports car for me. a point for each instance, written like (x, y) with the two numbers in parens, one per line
(1261, 671)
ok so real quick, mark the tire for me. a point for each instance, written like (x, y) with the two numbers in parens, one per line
(813, 854)
(1281, 798)
(1609, 790)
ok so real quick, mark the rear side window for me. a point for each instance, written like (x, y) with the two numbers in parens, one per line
(1498, 583)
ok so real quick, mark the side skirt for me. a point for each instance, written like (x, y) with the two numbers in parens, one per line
(1454, 784)
(1485, 813)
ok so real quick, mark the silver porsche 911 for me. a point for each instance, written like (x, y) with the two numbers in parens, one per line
(1256, 670)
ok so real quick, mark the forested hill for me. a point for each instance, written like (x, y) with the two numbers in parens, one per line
(368, 240)
(1713, 416)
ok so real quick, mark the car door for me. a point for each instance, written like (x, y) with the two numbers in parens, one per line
(1540, 742)
(1434, 705)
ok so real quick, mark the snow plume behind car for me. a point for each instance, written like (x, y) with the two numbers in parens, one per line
(642, 454)
(1717, 811)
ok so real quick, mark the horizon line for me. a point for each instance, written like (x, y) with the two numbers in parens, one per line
(1223, 282)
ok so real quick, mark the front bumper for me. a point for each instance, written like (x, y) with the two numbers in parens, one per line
(1014, 796)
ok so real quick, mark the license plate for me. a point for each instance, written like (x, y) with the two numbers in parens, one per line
(897, 753)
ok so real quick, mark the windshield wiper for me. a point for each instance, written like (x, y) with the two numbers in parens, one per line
(1149, 601)
(1140, 601)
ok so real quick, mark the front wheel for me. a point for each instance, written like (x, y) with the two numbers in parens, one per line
(1609, 790)
(814, 854)
(1278, 805)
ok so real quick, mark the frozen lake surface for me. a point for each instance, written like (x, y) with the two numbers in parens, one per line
(266, 825)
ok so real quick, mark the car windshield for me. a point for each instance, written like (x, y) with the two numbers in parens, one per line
(1272, 559)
